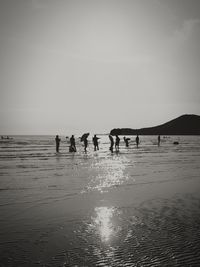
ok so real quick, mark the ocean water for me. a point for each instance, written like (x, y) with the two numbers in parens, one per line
(136, 207)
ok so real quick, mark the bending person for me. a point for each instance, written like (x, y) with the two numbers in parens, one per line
(126, 140)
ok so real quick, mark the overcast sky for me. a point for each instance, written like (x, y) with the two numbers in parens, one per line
(68, 66)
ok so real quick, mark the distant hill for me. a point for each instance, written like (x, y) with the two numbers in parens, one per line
(183, 125)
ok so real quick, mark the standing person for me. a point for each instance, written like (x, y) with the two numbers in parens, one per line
(95, 142)
(137, 140)
(111, 142)
(72, 147)
(117, 140)
(57, 143)
(85, 141)
(159, 140)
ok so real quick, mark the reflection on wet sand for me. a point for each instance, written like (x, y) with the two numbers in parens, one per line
(103, 222)
(139, 207)
(157, 233)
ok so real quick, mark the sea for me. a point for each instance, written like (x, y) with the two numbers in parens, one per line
(133, 207)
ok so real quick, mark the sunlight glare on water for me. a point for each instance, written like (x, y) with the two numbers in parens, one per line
(110, 173)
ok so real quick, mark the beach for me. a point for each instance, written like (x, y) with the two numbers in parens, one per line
(138, 207)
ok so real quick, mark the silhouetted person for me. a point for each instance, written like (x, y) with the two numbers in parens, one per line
(95, 142)
(159, 140)
(111, 142)
(137, 140)
(117, 140)
(72, 147)
(126, 140)
(85, 141)
(57, 143)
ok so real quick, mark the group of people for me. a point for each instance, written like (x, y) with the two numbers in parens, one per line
(72, 147)
(117, 141)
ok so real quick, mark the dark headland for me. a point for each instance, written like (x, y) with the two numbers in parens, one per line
(183, 125)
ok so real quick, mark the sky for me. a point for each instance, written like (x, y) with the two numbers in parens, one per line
(71, 66)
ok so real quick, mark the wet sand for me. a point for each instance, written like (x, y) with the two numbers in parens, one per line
(138, 207)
